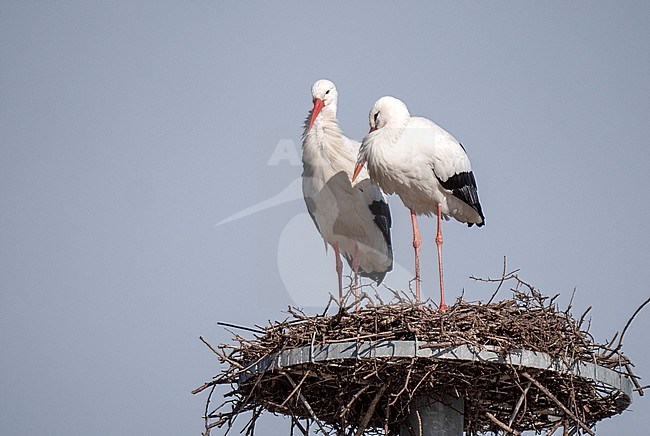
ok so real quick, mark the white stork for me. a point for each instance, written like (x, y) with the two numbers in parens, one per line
(353, 218)
(426, 166)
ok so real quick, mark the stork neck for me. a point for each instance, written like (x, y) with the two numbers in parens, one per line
(391, 132)
(326, 120)
(328, 112)
(324, 142)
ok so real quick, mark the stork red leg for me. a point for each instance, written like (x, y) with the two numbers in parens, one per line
(443, 306)
(417, 241)
(355, 271)
(339, 271)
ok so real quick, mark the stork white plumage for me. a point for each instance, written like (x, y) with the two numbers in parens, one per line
(426, 166)
(353, 218)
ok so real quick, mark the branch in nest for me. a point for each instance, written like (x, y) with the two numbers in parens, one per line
(370, 411)
(501, 424)
(629, 321)
(559, 403)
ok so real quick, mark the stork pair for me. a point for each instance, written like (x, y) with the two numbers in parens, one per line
(404, 155)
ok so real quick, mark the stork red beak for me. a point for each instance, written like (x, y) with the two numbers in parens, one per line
(357, 170)
(318, 106)
(372, 129)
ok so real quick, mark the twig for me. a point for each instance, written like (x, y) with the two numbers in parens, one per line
(503, 277)
(327, 306)
(307, 406)
(210, 346)
(250, 426)
(240, 327)
(406, 383)
(370, 411)
(501, 424)
(620, 339)
(570, 305)
(436, 345)
(522, 397)
(297, 423)
(206, 415)
(354, 398)
(559, 404)
(638, 387)
(554, 428)
(295, 389)
(203, 387)
(582, 318)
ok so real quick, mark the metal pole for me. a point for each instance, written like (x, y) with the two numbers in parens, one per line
(435, 418)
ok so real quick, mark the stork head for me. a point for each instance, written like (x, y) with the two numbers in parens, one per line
(391, 115)
(324, 94)
(388, 111)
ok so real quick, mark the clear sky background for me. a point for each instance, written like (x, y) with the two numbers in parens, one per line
(129, 131)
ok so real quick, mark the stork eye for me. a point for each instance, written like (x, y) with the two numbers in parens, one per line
(327, 92)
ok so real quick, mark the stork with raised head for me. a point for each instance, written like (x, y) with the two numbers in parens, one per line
(353, 218)
(423, 164)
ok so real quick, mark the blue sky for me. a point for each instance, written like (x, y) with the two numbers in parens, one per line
(129, 130)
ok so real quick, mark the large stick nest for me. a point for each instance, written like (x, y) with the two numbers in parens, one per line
(373, 396)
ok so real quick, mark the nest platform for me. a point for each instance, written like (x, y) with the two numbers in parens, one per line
(519, 364)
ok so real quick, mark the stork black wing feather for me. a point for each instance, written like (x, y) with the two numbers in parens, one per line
(381, 214)
(463, 187)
